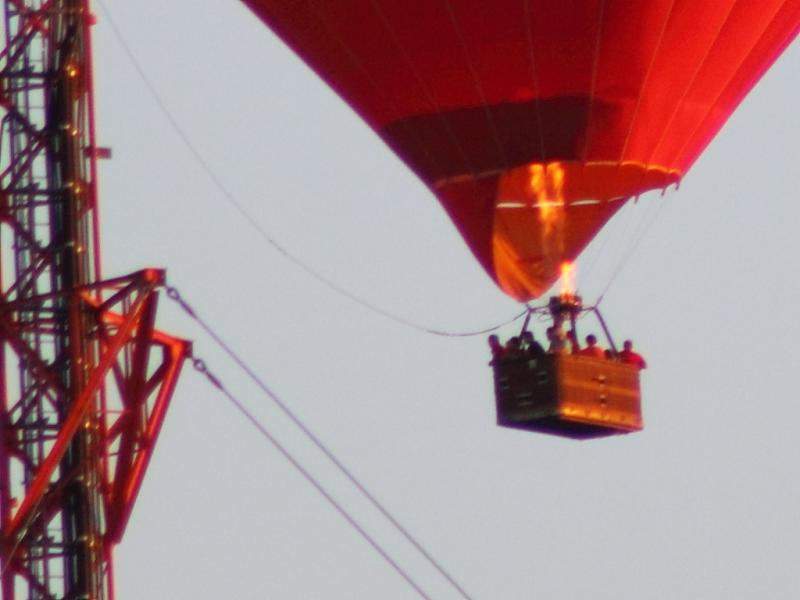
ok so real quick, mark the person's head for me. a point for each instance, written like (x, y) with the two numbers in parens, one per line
(591, 340)
(494, 342)
(627, 345)
(513, 342)
(527, 337)
(550, 332)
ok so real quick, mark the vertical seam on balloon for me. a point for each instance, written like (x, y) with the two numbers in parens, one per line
(693, 80)
(357, 63)
(425, 88)
(487, 112)
(497, 220)
(527, 18)
(476, 82)
(656, 50)
(500, 224)
(471, 170)
(522, 276)
(702, 121)
(597, 44)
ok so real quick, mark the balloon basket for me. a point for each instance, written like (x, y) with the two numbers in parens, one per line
(573, 396)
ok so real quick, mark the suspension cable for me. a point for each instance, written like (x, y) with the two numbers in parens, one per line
(233, 201)
(173, 294)
(201, 367)
(638, 236)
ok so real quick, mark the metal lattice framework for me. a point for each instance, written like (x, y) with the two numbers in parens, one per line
(85, 378)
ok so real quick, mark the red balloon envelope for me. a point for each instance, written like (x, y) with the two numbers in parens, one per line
(533, 120)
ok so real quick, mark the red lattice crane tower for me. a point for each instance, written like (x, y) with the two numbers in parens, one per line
(85, 378)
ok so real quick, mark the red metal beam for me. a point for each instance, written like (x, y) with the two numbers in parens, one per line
(80, 416)
(73, 421)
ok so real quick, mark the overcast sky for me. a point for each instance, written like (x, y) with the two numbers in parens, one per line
(702, 504)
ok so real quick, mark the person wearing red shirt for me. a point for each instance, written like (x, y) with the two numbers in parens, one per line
(592, 349)
(630, 357)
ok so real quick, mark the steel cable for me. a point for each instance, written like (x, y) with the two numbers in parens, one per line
(201, 367)
(639, 235)
(173, 294)
(237, 205)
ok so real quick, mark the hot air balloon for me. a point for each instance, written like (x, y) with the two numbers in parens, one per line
(533, 122)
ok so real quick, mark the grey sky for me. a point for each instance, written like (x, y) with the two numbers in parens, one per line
(702, 504)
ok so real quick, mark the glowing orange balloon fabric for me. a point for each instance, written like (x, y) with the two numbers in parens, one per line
(533, 120)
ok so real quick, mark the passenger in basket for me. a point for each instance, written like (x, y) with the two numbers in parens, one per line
(592, 349)
(513, 348)
(498, 350)
(574, 345)
(630, 357)
(530, 346)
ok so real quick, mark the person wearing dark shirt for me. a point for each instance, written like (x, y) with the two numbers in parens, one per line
(513, 348)
(498, 351)
(630, 357)
(530, 345)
